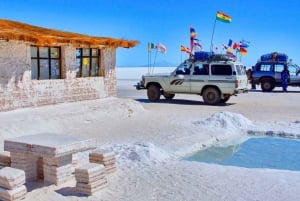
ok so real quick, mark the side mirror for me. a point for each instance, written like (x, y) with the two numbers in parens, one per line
(180, 76)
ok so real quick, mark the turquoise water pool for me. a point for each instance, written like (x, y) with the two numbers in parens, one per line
(257, 152)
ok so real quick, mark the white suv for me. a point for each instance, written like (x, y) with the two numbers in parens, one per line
(215, 79)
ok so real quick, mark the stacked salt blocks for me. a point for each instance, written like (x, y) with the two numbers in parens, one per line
(90, 178)
(26, 162)
(104, 157)
(12, 182)
(58, 170)
(5, 159)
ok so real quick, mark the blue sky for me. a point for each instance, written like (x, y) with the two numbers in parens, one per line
(268, 25)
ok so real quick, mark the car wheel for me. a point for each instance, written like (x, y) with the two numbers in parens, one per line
(211, 96)
(267, 84)
(153, 93)
(168, 96)
(225, 99)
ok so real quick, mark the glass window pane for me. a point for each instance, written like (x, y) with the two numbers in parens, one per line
(85, 52)
(34, 69)
(44, 52)
(85, 67)
(94, 67)
(44, 69)
(54, 52)
(33, 51)
(78, 52)
(77, 67)
(55, 69)
(94, 52)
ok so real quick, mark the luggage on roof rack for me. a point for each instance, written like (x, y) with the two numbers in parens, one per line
(221, 57)
(274, 56)
(203, 55)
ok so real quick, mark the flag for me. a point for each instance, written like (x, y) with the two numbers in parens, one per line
(236, 46)
(161, 48)
(150, 46)
(223, 17)
(193, 34)
(243, 51)
(185, 49)
(229, 43)
(230, 53)
(244, 44)
(197, 44)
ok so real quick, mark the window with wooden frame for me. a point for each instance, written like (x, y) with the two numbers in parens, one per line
(45, 63)
(88, 62)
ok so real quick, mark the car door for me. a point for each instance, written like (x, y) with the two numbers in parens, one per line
(180, 79)
(199, 77)
(294, 74)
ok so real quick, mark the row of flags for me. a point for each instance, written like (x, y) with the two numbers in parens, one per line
(159, 47)
(232, 49)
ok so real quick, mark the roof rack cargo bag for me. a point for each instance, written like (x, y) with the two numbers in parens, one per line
(274, 56)
(203, 55)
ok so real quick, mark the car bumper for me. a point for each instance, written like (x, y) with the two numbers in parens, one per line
(140, 85)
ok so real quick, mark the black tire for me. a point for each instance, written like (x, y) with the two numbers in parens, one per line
(225, 99)
(211, 96)
(267, 84)
(168, 96)
(153, 93)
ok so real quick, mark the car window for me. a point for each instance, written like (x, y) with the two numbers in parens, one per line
(218, 69)
(240, 70)
(265, 67)
(201, 69)
(278, 67)
(184, 69)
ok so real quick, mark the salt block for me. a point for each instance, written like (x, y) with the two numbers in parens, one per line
(5, 158)
(89, 169)
(101, 155)
(58, 161)
(11, 178)
(12, 195)
(90, 189)
(49, 144)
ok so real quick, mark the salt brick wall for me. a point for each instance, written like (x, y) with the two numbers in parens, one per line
(18, 90)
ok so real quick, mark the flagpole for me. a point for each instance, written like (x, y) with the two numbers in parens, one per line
(154, 61)
(212, 36)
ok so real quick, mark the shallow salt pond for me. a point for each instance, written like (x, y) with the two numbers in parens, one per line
(256, 152)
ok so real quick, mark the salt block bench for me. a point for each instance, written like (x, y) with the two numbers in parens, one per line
(90, 178)
(12, 182)
(48, 155)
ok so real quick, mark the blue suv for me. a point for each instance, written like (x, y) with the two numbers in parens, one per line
(267, 71)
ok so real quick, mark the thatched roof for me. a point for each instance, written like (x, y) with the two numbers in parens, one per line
(11, 30)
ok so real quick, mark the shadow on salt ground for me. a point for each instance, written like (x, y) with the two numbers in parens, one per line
(70, 191)
(274, 91)
(183, 102)
(35, 185)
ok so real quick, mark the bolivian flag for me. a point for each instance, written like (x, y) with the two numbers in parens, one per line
(223, 17)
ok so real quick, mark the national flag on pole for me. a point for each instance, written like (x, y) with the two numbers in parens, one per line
(197, 44)
(193, 34)
(161, 48)
(223, 17)
(185, 49)
(150, 46)
(243, 51)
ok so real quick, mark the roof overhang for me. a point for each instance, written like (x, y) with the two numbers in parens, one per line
(12, 30)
